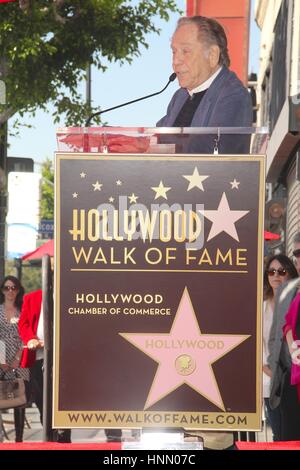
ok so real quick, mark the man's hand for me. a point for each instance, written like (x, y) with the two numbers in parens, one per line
(34, 344)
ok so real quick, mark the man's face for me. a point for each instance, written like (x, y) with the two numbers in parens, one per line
(193, 61)
(297, 258)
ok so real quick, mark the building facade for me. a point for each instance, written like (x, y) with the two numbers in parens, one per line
(234, 16)
(279, 108)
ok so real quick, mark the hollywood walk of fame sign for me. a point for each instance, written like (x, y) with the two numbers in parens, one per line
(158, 291)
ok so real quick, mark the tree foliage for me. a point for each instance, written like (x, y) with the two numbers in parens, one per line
(47, 190)
(46, 45)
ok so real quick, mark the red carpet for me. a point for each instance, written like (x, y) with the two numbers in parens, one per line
(288, 445)
(58, 446)
(241, 445)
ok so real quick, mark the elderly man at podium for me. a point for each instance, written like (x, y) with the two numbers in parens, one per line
(210, 95)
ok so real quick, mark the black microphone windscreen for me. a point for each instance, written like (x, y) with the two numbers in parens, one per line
(172, 77)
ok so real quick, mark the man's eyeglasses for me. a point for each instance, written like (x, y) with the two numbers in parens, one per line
(296, 253)
(8, 288)
(281, 272)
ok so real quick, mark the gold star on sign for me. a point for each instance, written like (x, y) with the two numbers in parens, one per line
(97, 186)
(161, 191)
(82, 175)
(133, 198)
(234, 184)
(195, 180)
(75, 195)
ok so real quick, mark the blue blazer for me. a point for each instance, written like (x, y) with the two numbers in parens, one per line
(227, 103)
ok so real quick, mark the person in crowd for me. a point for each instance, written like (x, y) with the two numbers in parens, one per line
(31, 329)
(210, 95)
(285, 295)
(279, 269)
(290, 397)
(11, 298)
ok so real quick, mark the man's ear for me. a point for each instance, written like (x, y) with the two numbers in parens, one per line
(214, 55)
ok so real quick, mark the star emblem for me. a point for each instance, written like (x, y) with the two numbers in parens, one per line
(133, 198)
(195, 180)
(97, 186)
(119, 183)
(111, 199)
(223, 219)
(161, 191)
(75, 195)
(235, 184)
(185, 355)
(82, 175)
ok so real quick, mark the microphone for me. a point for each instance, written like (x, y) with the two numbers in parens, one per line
(171, 79)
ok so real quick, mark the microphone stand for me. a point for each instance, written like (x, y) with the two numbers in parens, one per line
(171, 79)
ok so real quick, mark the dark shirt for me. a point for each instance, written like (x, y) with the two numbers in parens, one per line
(186, 114)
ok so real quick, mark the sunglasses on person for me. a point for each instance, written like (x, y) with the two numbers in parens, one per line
(296, 253)
(8, 288)
(281, 272)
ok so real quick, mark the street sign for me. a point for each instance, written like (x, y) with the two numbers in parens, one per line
(46, 228)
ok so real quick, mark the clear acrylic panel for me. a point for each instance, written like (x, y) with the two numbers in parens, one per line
(166, 140)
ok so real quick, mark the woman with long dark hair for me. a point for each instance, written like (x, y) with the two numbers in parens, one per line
(279, 268)
(11, 299)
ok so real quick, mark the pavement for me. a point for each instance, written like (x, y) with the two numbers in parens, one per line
(33, 430)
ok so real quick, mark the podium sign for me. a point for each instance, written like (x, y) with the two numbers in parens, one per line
(158, 291)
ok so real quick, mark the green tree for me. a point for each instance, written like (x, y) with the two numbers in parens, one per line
(46, 45)
(47, 190)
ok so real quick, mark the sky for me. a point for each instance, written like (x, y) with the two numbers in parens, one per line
(146, 74)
